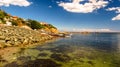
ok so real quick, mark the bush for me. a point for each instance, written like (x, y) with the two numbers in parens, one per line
(2, 15)
(34, 24)
(14, 23)
(51, 26)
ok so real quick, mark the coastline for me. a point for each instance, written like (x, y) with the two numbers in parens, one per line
(5, 52)
(8, 53)
(6, 36)
(14, 36)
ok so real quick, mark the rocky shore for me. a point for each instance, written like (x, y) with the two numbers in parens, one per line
(16, 36)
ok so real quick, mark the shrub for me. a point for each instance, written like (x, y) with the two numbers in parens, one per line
(14, 23)
(34, 24)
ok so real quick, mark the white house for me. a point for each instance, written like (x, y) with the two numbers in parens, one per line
(8, 23)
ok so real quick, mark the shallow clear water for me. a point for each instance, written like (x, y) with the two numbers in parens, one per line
(90, 50)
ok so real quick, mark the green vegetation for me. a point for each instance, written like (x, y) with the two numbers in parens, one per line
(14, 23)
(34, 24)
(2, 16)
(51, 26)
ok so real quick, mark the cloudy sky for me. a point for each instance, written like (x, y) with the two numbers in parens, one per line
(70, 15)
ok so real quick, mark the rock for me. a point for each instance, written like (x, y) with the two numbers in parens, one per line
(11, 42)
(2, 37)
(25, 41)
(14, 36)
(7, 44)
(15, 39)
(0, 33)
(17, 43)
(2, 41)
(2, 45)
(7, 38)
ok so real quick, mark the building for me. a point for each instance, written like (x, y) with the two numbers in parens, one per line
(43, 23)
(8, 23)
(14, 17)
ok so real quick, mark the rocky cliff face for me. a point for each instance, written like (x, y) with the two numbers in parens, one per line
(16, 36)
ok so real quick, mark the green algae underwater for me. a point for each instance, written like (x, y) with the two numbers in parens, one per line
(91, 50)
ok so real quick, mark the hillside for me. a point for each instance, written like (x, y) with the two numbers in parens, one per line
(16, 31)
(9, 20)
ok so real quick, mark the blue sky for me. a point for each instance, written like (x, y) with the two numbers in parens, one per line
(70, 15)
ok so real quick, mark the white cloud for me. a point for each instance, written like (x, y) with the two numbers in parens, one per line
(88, 7)
(117, 10)
(7, 3)
(92, 30)
(116, 17)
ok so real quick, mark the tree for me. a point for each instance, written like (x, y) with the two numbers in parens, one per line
(2, 16)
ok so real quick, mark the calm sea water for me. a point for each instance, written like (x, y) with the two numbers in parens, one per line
(80, 50)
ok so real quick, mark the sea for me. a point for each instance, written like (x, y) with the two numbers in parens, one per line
(79, 50)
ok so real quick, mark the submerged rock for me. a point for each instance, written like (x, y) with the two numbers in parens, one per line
(43, 54)
(41, 63)
(60, 57)
(35, 63)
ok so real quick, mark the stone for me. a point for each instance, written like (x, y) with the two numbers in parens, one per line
(25, 41)
(2, 45)
(14, 36)
(2, 37)
(0, 33)
(7, 38)
(15, 39)
(17, 43)
(7, 44)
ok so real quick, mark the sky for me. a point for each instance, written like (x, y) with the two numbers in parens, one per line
(69, 15)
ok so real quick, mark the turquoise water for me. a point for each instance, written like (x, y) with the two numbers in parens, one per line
(90, 50)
